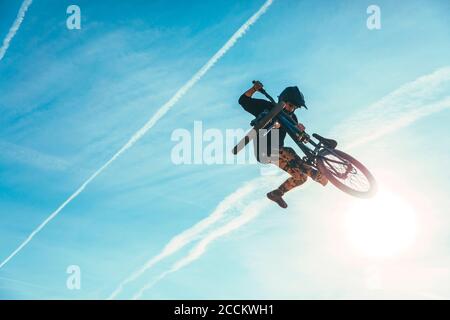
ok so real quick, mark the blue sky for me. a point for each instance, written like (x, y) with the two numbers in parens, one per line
(72, 98)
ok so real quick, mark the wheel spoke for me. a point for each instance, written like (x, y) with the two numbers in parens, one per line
(351, 177)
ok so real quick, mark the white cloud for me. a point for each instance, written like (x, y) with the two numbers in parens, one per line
(191, 234)
(29, 156)
(424, 96)
(249, 213)
(15, 27)
(400, 108)
(150, 123)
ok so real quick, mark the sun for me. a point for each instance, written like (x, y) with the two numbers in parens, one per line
(380, 227)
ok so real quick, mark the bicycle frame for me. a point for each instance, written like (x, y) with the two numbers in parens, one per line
(294, 132)
(291, 128)
(311, 154)
(321, 154)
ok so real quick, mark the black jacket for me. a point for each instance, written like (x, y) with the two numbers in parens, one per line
(255, 107)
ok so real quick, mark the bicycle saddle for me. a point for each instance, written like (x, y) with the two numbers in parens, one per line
(330, 143)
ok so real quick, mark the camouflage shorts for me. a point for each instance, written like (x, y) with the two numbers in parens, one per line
(290, 162)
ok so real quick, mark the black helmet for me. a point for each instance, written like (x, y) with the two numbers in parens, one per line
(293, 95)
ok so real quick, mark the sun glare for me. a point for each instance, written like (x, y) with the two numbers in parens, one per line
(382, 226)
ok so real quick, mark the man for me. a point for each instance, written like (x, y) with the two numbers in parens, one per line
(287, 160)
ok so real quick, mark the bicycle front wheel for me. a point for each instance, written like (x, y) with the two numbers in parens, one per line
(346, 173)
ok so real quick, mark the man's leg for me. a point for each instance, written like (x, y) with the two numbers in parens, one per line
(296, 162)
(288, 162)
(292, 164)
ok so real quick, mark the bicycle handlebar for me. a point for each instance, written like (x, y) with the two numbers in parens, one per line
(265, 93)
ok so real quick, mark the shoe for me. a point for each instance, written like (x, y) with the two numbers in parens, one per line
(276, 196)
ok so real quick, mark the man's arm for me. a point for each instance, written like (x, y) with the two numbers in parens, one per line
(300, 126)
(252, 105)
(250, 92)
(243, 100)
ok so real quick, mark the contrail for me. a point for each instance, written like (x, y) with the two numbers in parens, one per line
(15, 27)
(426, 95)
(181, 240)
(425, 87)
(249, 214)
(152, 121)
